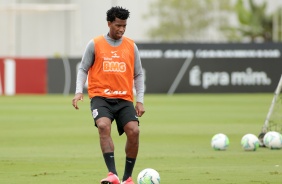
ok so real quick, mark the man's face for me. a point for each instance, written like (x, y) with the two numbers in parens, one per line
(117, 28)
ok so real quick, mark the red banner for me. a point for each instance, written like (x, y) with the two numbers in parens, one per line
(23, 75)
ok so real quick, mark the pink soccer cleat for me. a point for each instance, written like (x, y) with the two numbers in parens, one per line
(111, 179)
(128, 181)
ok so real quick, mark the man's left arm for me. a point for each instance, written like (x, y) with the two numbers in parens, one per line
(138, 82)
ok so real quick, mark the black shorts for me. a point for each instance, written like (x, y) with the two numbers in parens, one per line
(122, 111)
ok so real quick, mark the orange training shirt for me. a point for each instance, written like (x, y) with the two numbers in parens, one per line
(111, 75)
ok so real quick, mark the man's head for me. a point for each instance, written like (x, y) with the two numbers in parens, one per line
(117, 21)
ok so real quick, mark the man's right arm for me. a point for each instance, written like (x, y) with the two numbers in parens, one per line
(85, 64)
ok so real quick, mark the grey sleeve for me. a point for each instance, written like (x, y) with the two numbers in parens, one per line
(138, 76)
(86, 62)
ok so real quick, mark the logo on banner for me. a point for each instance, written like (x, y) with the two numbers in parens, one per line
(249, 77)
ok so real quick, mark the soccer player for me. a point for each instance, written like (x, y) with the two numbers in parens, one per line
(112, 64)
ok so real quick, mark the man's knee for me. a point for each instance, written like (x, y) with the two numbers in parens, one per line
(132, 129)
(104, 125)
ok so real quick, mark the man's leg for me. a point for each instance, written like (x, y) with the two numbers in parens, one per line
(104, 127)
(131, 130)
(107, 147)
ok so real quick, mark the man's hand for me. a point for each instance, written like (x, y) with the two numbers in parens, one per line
(139, 109)
(76, 98)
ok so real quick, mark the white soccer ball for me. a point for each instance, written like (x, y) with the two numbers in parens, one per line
(220, 141)
(272, 140)
(148, 176)
(250, 142)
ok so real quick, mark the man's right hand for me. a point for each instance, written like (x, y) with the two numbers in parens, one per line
(77, 97)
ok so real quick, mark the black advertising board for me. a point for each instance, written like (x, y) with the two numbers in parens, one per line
(62, 75)
(192, 68)
(211, 68)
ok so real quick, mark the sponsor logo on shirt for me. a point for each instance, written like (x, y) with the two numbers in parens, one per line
(113, 66)
(115, 92)
(114, 54)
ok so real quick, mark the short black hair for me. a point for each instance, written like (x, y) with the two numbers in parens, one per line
(117, 12)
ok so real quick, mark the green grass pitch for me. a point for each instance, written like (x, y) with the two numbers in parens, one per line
(44, 140)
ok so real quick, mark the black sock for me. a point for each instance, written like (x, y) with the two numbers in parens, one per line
(110, 162)
(129, 165)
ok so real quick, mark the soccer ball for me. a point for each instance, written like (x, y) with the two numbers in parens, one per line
(219, 142)
(273, 140)
(148, 176)
(250, 142)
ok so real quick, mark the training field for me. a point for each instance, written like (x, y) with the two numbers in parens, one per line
(43, 140)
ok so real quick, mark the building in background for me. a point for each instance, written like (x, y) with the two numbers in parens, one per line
(59, 28)
(48, 28)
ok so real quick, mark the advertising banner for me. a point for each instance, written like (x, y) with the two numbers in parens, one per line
(62, 75)
(168, 68)
(211, 68)
(23, 76)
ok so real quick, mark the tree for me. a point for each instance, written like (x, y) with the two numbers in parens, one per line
(185, 20)
(254, 23)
